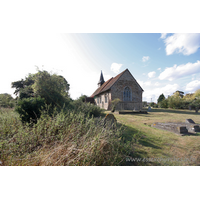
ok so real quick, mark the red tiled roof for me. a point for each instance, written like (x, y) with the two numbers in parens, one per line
(107, 85)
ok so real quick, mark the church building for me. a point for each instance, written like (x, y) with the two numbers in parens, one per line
(123, 86)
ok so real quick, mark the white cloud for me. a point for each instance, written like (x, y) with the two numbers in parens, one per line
(115, 67)
(193, 86)
(156, 92)
(159, 69)
(163, 35)
(175, 72)
(157, 84)
(185, 43)
(142, 83)
(151, 74)
(145, 58)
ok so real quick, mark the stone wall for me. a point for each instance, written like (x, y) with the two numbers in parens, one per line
(129, 106)
(136, 92)
(103, 104)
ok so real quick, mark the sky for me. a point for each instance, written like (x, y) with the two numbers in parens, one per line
(160, 62)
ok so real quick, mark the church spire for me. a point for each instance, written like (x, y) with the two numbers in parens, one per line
(101, 80)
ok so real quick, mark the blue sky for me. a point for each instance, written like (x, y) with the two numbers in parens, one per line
(161, 63)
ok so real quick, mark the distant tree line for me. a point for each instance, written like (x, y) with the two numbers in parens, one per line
(179, 101)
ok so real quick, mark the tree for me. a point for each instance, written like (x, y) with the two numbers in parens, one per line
(164, 103)
(189, 96)
(161, 98)
(6, 101)
(197, 94)
(24, 86)
(82, 98)
(39, 89)
(179, 93)
(53, 88)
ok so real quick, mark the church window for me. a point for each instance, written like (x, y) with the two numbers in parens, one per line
(97, 100)
(127, 94)
(106, 98)
(100, 99)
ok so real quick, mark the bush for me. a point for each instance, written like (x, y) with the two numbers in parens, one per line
(30, 109)
(87, 109)
(163, 103)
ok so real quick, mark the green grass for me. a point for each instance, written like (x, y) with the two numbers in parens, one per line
(168, 148)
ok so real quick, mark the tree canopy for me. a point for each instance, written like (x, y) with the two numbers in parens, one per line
(161, 98)
(52, 87)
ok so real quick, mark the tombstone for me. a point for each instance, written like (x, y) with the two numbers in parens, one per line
(149, 108)
(109, 120)
(190, 121)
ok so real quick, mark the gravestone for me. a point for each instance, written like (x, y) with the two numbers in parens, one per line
(190, 121)
(109, 120)
(187, 127)
(149, 108)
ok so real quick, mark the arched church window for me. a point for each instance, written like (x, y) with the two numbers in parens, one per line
(127, 94)
(106, 98)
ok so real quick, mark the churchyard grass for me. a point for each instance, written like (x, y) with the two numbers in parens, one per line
(160, 146)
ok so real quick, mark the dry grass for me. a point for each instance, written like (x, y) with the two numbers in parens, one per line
(65, 139)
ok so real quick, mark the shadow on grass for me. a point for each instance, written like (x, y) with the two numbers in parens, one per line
(136, 156)
(174, 111)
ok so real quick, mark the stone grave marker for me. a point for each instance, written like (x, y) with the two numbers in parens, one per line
(110, 120)
(190, 121)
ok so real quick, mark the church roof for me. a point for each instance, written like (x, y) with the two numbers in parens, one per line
(108, 84)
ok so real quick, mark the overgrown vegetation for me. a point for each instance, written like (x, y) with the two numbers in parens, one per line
(66, 138)
(7, 101)
(47, 127)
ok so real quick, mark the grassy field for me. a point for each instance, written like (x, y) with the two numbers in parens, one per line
(159, 147)
(73, 139)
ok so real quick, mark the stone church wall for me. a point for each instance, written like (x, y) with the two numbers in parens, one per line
(136, 93)
(103, 104)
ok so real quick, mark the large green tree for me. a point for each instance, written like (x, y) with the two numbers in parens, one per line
(23, 88)
(161, 98)
(51, 87)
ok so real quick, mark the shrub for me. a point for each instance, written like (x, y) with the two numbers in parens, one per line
(114, 104)
(87, 109)
(30, 109)
(66, 138)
